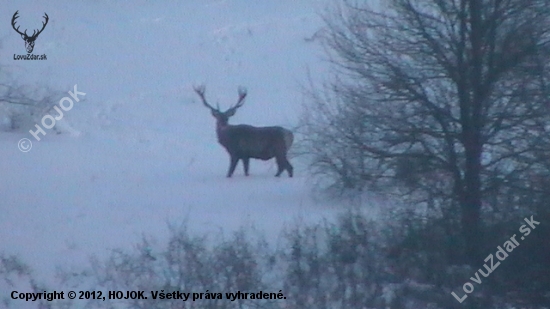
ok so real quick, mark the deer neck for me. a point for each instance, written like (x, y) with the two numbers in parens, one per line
(221, 131)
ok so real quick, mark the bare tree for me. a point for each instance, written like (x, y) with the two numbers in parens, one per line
(442, 101)
(22, 105)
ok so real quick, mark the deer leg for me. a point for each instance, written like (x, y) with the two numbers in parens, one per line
(232, 166)
(280, 166)
(289, 168)
(246, 164)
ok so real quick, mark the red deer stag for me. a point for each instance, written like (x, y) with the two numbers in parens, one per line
(243, 142)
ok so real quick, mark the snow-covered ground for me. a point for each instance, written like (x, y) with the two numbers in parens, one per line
(140, 151)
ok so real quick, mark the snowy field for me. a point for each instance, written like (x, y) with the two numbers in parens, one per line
(140, 150)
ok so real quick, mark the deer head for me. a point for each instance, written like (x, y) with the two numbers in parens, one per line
(222, 118)
(29, 40)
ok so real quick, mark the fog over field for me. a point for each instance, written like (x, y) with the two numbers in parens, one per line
(420, 150)
(139, 150)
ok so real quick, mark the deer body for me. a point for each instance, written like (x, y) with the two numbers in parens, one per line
(245, 142)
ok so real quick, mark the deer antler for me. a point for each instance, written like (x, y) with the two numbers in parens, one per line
(13, 24)
(242, 95)
(34, 33)
(200, 91)
(43, 26)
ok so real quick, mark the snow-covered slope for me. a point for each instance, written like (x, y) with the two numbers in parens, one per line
(143, 150)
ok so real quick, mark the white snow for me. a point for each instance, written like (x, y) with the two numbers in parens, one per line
(142, 149)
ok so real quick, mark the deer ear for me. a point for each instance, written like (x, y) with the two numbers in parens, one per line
(230, 112)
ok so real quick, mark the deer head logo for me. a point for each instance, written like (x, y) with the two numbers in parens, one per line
(29, 40)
